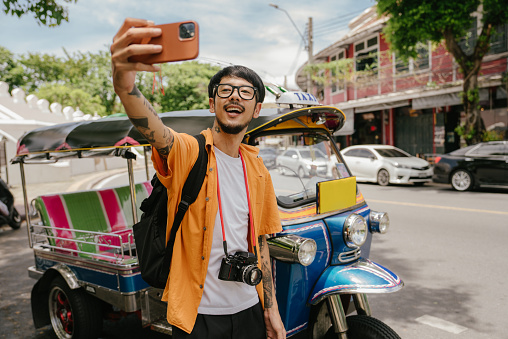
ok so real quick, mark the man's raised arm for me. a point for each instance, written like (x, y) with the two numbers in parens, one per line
(143, 116)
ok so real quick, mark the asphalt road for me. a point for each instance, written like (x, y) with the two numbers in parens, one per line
(450, 249)
(447, 246)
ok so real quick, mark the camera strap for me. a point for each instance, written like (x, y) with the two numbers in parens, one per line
(251, 226)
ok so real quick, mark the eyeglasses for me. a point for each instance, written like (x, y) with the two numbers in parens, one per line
(226, 90)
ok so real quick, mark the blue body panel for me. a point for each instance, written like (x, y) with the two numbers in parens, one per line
(124, 283)
(362, 276)
(299, 287)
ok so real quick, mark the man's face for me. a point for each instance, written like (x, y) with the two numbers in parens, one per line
(233, 114)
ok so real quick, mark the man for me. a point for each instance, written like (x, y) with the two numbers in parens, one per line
(200, 305)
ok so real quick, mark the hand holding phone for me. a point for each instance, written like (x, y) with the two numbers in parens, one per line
(179, 41)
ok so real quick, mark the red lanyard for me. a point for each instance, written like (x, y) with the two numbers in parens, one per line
(251, 226)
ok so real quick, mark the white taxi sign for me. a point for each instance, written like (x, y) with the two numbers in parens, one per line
(297, 98)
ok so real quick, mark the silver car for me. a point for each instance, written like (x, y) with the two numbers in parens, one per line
(305, 162)
(386, 165)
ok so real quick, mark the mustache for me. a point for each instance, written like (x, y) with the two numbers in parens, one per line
(235, 103)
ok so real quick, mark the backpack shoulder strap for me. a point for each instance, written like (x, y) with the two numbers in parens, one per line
(190, 191)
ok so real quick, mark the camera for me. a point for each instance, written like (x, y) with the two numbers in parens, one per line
(242, 267)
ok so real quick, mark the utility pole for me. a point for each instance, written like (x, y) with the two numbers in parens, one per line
(308, 43)
(311, 58)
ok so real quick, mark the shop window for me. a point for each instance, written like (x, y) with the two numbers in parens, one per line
(499, 40)
(468, 42)
(366, 54)
(420, 63)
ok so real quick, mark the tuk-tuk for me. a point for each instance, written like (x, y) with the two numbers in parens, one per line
(85, 255)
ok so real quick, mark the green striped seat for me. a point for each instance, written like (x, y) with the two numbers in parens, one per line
(107, 210)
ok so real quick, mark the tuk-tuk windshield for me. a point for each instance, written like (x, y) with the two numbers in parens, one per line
(296, 163)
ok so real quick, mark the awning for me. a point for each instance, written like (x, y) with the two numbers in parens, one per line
(447, 99)
(381, 105)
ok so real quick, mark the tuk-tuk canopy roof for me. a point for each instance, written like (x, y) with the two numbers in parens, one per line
(106, 136)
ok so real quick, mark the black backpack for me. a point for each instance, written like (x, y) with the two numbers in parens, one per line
(154, 254)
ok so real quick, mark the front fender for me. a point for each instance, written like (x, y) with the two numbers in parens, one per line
(362, 276)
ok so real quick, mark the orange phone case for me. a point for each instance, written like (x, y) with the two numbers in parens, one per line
(173, 47)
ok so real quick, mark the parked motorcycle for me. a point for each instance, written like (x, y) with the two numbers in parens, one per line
(8, 213)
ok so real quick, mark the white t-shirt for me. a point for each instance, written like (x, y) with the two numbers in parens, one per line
(219, 296)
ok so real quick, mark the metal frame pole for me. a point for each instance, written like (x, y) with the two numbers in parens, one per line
(130, 169)
(27, 208)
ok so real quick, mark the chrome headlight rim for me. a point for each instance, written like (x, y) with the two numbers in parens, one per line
(306, 251)
(355, 231)
(379, 222)
(293, 248)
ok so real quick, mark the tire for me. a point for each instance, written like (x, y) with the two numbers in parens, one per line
(74, 314)
(365, 327)
(383, 177)
(301, 172)
(15, 223)
(461, 180)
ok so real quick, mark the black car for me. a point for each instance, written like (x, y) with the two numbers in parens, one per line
(483, 164)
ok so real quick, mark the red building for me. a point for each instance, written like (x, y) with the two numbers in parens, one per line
(413, 105)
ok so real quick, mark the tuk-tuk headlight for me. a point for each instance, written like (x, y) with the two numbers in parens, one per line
(355, 230)
(293, 248)
(379, 222)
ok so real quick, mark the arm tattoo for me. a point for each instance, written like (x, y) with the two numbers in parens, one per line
(135, 91)
(140, 122)
(267, 272)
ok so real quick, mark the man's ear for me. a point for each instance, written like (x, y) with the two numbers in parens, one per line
(257, 109)
(211, 102)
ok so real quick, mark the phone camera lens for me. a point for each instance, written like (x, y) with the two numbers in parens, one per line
(187, 30)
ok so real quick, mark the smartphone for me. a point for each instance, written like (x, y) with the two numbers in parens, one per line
(179, 40)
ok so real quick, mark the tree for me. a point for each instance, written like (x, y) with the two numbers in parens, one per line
(411, 22)
(10, 70)
(185, 86)
(46, 12)
(84, 80)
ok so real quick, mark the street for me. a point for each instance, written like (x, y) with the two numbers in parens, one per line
(447, 246)
(449, 249)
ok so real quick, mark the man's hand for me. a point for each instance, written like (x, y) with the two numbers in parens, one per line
(126, 43)
(274, 326)
(143, 116)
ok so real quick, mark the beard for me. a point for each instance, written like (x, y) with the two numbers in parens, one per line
(232, 129)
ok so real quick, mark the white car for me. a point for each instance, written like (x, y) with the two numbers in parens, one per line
(386, 165)
(305, 162)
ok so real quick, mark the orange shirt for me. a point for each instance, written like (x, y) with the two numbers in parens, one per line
(194, 238)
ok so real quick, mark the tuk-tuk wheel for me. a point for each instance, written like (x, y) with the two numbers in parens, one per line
(15, 223)
(365, 327)
(73, 313)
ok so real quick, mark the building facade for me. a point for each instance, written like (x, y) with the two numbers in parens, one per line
(413, 105)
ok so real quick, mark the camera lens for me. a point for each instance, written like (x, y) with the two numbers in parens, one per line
(187, 30)
(252, 275)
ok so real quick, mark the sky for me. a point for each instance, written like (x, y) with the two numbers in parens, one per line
(248, 32)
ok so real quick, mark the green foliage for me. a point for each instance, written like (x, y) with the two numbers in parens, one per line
(411, 22)
(338, 70)
(493, 135)
(419, 21)
(75, 97)
(45, 12)
(185, 86)
(84, 80)
(464, 132)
